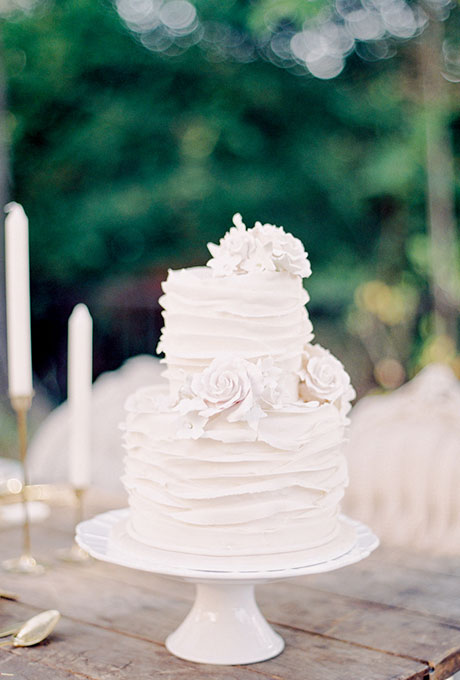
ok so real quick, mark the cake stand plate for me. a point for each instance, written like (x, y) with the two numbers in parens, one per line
(225, 625)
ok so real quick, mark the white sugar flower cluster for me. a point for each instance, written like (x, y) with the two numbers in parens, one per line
(231, 384)
(265, 247)
(324, 379)
(243, 391)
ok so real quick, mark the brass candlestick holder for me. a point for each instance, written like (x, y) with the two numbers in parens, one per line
(75, 553)
(25, 563)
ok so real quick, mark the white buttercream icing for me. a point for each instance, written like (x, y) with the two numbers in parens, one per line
(255, 315)
(243, 454)
(235, 490)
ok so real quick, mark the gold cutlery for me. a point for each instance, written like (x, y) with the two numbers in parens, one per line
(34, 630)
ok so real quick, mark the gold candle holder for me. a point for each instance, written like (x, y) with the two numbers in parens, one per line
(25, 563)
(75, 553)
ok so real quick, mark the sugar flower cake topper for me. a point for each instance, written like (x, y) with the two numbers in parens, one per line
(265, 247)
(239, 390)
(323, 378)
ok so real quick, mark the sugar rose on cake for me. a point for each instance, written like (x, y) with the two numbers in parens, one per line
(324, 378)
(241, 453)
(229, 385)
(265, 247)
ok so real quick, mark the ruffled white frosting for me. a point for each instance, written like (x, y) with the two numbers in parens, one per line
(243, 454)
(235, 490)
(255, 315)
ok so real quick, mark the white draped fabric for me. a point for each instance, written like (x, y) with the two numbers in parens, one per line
(404, 463)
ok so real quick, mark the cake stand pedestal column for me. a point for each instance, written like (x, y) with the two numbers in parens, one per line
(225, 626)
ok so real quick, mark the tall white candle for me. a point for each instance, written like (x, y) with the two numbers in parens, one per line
(79, 388)
(18, 301)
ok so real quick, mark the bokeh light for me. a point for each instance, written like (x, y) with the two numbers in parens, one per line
(161, 26)
(178, 16)
(368, 27)
(389, 373)
(9, 6)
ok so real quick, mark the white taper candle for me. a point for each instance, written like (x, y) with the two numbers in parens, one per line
(18, 301)
(79, 389)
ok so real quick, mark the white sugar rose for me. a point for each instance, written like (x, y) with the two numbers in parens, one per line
(222, 385)
(265, 247)
(322, 376)
(238, 251)
(289, 255)
(287, 251)
(229, 384)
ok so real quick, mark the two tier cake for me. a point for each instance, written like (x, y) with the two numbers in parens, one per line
(242, 453)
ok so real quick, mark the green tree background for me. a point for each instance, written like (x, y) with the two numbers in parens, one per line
(128, 161)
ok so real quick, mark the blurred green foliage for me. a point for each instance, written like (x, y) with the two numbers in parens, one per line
(127, 159)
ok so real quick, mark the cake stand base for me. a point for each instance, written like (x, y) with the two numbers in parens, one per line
(225, 625)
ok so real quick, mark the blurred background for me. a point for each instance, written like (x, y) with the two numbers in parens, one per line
(132, 130)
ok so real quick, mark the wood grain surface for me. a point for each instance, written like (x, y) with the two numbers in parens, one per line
(382, 619)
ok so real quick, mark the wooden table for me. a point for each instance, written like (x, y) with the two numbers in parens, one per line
(393, 616)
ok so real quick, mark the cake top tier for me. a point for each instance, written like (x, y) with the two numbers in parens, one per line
(265, 247)
(249, 302)
(241, 321)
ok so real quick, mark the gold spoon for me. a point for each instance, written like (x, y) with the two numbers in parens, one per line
(14, 628)
(35, 629)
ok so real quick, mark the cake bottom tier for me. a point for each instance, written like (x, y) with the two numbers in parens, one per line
(240, 508)
(148, 526)
(236, 491)
(127, 550)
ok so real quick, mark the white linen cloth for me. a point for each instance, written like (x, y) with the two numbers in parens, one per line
(404, 463)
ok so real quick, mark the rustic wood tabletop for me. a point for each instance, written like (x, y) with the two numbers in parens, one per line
(396, 615)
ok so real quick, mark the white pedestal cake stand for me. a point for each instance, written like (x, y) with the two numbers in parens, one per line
(225, 625)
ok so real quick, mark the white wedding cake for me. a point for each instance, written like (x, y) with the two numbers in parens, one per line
(243, 453)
